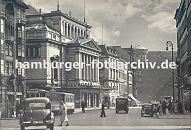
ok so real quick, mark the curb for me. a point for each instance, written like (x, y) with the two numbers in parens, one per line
(9, 118)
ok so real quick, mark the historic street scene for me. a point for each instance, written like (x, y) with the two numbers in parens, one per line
(104, 64)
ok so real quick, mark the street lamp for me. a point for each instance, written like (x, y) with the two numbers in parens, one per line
(170, 44)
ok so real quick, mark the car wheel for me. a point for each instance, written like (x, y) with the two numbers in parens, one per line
(51, 127)
(22, 127)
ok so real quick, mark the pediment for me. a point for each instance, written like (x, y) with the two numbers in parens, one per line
(92, 45)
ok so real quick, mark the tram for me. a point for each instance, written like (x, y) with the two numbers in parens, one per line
(56, 98)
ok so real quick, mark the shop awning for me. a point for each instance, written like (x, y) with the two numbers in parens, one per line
(134, 99)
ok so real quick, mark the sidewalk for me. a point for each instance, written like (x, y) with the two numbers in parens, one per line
(77, 110)
(177, 116)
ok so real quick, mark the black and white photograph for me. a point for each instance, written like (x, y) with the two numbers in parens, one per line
(95, 64)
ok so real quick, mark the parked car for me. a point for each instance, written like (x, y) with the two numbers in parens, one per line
(37, 112)
(122, 104)
(147, 109)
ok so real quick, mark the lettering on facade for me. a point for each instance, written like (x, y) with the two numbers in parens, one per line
(80, 85)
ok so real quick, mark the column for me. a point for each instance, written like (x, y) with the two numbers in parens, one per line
(66, 29)
(77, 32)
(71, 31)
(63, 24)
(74, 32)
(90, 68)
(89, 99)
(92, 74)
(84, 69)
(80, 33)
(95, 72)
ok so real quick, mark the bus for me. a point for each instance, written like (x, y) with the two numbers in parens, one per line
(56, 98)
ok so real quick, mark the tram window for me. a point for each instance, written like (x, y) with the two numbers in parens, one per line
(32, 95)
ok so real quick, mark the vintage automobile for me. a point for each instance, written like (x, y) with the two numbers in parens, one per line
(37, 112)
(147, 109)
(122, 104)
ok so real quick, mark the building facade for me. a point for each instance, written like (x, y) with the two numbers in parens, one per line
(113, 77)
(84, 82)
(12, 46)
(183, 24)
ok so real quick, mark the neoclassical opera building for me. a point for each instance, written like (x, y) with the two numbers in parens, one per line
(57, 36)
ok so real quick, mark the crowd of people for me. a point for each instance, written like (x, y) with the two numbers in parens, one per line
(168, 107)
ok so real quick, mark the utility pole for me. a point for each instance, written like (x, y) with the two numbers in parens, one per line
(102, 30)
(169, 43)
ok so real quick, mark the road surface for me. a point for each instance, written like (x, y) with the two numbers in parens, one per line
(122, 121)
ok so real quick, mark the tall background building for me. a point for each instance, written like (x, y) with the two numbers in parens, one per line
(157, 83)
(137, 53)
(183, 24)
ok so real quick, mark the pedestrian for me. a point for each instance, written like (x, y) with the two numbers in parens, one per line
(17, 109)
(83, 105)
(179, 107)
(176, 107)
(156, 111)
(170, 106)
(103, 110)
(64, 117)
(160, 108)
(164, 107)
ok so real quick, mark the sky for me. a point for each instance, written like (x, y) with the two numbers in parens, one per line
(147, 23)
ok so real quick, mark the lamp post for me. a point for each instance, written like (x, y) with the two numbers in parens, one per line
(170, 44)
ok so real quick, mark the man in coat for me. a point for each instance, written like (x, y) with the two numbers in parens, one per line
(103, 110)
(83, 105)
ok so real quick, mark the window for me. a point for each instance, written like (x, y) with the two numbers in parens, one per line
(7, 49)
(31, 34)
(19, 32)
(11, 50)
(7, 67)
(2, 36)
(39, 34)
(19, 50)
(10, 67)
(33, 51)
(110, 73)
